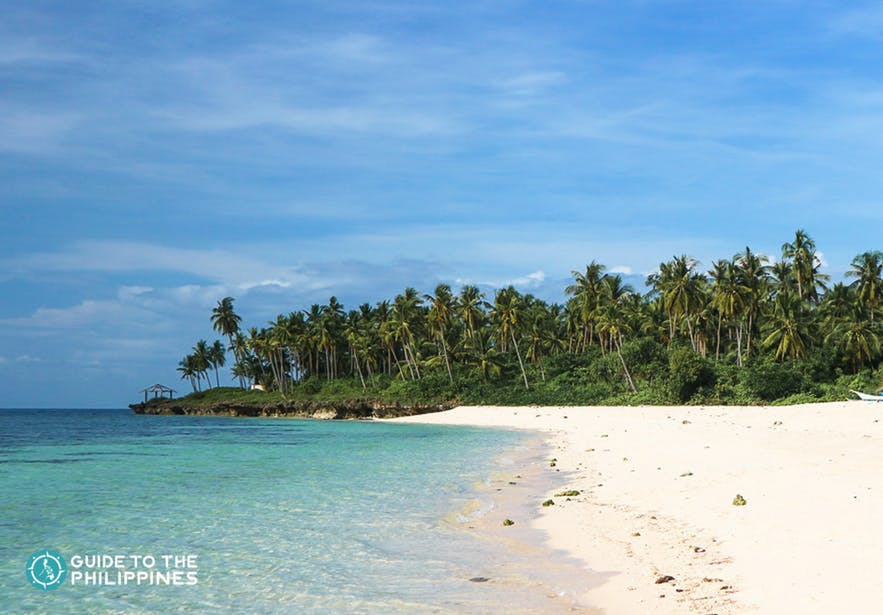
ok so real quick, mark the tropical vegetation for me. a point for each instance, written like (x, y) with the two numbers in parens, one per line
(744, 330)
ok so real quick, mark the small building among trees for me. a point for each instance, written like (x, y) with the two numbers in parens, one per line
(159, 391)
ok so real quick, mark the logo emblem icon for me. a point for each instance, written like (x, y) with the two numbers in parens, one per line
(46, 569)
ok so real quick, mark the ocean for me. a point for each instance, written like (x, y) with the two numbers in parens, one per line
(251, 515)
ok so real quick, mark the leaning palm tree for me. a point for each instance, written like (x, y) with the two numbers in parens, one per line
(188, 370)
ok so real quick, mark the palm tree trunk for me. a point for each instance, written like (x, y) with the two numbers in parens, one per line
(445, 350)
(358, 368)
(414, 357)
(690, 331)
(399, 365)
(750, 326)
(739, 344)
(520, 362)
(671, 327)
(407, 356)
(628, 375)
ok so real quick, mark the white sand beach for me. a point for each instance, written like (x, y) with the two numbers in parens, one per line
(657, 486)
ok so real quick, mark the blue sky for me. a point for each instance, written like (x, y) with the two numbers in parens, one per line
(156, 157)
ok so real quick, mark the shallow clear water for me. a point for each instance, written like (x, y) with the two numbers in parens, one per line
(284, 515)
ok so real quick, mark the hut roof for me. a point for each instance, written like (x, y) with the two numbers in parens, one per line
(158, 388)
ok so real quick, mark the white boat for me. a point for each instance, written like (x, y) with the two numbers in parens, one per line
(866, 397)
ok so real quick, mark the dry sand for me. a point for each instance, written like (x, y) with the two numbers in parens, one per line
(657, 487)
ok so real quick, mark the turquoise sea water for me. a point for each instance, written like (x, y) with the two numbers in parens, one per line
(285, 516)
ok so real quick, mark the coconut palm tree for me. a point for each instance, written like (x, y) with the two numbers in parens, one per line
(507, 318)
(217, 358)
(541, 333)
(867, 269)
(482, 352)
(585, 291)
(788, 327)
(187, 367)
(838, 303)
(802, 254)
(680, 287)
(442, 306)
(202, 361)
(613, 318)
(226, 321)
(857, 337)
(471, 307)
(752, 275)
(728, 299)
(406, 320)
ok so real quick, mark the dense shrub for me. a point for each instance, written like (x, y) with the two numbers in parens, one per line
(687, 372)
(769, 381)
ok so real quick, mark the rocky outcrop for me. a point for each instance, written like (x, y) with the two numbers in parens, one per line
(311, 409)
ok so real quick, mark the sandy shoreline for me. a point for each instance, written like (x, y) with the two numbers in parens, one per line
(657, 486)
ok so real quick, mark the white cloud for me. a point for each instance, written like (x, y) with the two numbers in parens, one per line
(85, 313)
(530, 280)
(264, 283)
(126, 293)
(623, 269)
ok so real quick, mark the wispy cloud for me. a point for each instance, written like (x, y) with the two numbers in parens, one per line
(31, 132)
(236, 269)
(864, 22)
(528, 281)
(358, 148)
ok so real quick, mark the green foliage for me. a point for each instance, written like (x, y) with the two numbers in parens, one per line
(687, 372)
(742, 332)
(646, 357)
(770, 381)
